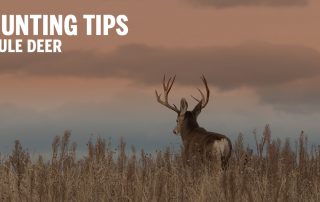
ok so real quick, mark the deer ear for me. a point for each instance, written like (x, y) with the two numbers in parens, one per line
(197, 109)
(183, 106)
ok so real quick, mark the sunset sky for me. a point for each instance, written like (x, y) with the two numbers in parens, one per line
(261, 59)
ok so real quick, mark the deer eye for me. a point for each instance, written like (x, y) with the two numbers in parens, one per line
(177, 121)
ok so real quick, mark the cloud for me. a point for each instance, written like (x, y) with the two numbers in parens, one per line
(225, 67)
(300, 96)
(272, 70)
(235, 3)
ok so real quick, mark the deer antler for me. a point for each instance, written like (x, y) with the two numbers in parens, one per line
(204, 99)
(166, 89)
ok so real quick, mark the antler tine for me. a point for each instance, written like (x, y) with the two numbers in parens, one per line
(157, 94)
(166, 89)
(196, 99)
(204, 99)
(168, 83)
(207, 90)
(202, 96)
(174, 78)
(164, 82)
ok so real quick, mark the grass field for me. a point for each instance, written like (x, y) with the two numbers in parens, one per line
(274, 170)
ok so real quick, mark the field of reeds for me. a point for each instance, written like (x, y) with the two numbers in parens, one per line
(273, 170)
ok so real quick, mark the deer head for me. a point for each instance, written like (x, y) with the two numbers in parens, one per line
(186, 120)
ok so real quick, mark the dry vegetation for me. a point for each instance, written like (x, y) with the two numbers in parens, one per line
(275, 171)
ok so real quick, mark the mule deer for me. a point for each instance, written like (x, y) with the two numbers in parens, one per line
(197, 141)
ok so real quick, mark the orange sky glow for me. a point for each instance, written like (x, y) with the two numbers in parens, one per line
(262, 63)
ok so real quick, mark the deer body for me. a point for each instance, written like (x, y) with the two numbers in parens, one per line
(200, 143)
(197, 141)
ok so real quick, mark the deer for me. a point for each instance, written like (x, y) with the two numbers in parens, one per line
(197, 141)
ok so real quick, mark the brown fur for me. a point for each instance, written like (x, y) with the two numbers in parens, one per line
(198, 141)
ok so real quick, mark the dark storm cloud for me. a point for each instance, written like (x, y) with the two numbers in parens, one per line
(225, 67)
(301, 96)
(235, 3)
(271, 70)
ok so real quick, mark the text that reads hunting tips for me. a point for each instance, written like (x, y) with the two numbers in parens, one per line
(42, 26)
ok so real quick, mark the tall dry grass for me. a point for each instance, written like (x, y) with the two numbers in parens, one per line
(273, 171)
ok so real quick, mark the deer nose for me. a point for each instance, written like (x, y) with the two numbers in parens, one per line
(174, 132)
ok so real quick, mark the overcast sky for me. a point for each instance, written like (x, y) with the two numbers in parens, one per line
(261, 59)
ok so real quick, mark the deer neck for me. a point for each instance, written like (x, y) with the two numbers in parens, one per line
(188, 128)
